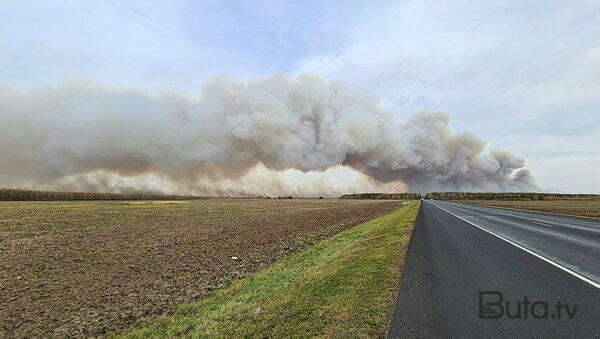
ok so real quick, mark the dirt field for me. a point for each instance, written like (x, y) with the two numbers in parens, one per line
(587, 208)
(89, 268)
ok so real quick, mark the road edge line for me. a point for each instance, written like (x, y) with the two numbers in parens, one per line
(571, 272)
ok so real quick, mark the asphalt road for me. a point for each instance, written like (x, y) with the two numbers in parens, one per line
(458, 251)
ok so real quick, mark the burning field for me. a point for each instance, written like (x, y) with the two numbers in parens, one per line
(89, 268)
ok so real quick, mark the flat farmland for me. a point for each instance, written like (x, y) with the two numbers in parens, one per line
(91, 268)
(585, 208)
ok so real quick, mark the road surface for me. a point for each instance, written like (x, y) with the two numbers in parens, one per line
(463, 259)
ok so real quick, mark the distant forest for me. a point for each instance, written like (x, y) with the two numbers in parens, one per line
(509, 196)
(393, 196)
(31, 195)
(474, 196)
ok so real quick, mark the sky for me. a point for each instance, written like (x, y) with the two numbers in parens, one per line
(523, 75)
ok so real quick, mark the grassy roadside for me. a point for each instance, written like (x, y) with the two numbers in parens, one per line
(343, 286)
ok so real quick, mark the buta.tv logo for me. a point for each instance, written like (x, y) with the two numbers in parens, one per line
(492, 305)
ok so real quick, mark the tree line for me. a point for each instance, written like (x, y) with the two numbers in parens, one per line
(31, 195)
(390, 196)
(524, 196)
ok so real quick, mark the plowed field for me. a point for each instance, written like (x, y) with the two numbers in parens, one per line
(89, 268)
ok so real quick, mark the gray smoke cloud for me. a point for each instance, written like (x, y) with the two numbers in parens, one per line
(79, 134)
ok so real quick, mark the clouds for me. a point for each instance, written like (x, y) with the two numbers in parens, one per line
(163, 44)
(138, 45)
(518, 73)
(524, 75)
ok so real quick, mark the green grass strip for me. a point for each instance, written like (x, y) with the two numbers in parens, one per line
(342, 286)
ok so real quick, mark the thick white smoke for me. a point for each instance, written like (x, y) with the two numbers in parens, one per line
(83, 135)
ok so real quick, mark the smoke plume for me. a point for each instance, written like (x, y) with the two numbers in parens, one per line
(278, 134)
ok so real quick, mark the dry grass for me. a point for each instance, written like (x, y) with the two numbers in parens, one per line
(587, 208)
(88, 268)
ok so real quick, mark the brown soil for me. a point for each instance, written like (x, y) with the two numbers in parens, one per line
(90, 268)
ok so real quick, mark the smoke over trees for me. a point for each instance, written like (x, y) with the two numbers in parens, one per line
(233, 137)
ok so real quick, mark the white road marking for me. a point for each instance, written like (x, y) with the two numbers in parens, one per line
(571, 272)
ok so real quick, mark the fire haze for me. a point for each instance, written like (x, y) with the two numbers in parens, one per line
(278, 135)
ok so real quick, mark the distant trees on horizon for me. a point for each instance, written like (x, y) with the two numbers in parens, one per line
(7, 194)
(509, 196)
(474, 196)
(390, 196)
